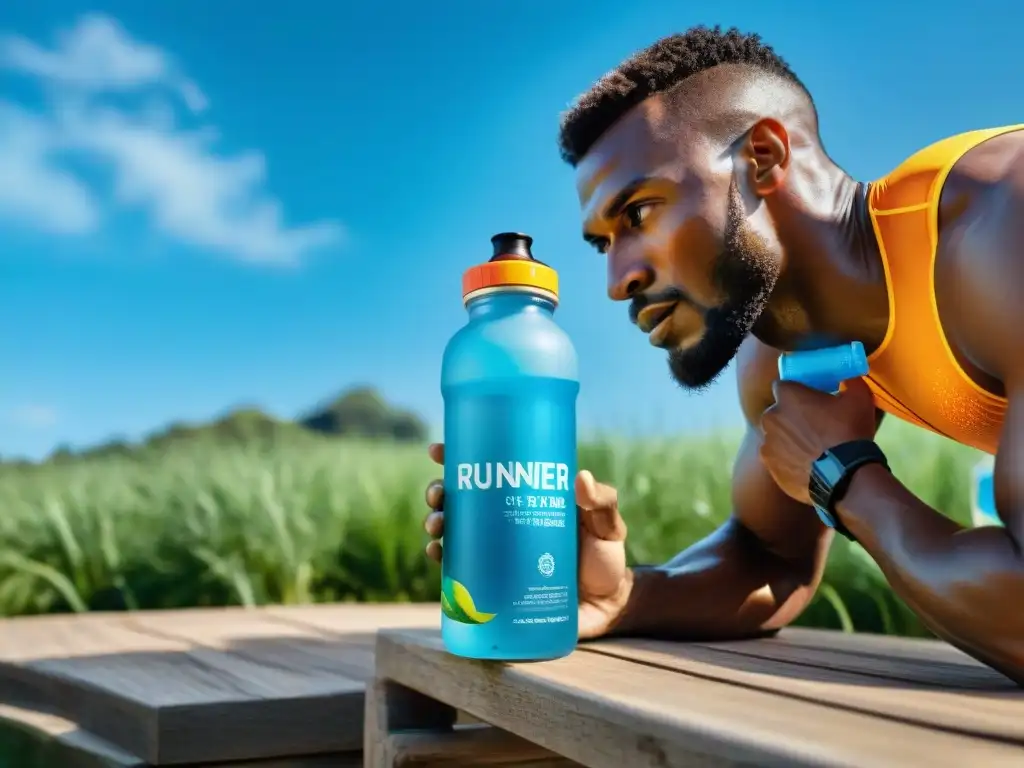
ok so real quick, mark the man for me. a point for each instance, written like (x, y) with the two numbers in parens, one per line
(731, 233)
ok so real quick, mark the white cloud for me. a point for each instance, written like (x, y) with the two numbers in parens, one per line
(33, 188)
(98, 55)
(192, 193)
(33, 416)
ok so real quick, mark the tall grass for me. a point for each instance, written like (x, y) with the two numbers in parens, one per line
(320, 520)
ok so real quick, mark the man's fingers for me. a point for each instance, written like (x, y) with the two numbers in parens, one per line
(434, 525)
(599, 508)
(436, 452)
(604, 524)
(591, 494)
(435, 494)
(434, 551)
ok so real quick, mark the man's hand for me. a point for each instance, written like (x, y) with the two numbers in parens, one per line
(604, 580)
(804, 423)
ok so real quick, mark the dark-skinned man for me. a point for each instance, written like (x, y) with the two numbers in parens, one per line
(730, 233)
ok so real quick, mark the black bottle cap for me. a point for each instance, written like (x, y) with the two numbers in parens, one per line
(511, 246)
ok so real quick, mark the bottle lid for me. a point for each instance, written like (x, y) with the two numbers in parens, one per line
(511, 264)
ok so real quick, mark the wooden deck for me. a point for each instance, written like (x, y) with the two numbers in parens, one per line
(195, 687)
(286, 687)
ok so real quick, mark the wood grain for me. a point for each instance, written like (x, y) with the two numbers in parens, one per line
(912, 661)
(351, 618)
(407, 729)
(996, 714)
(201, 686)
(260, 638)
(284, 687)
(885, 646)
(30, 739)
(334, 760)
(470, 747)
(607, 712)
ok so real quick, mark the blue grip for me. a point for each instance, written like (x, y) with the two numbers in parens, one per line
(824, 369)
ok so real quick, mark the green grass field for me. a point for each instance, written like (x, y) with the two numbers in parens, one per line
(316, 519)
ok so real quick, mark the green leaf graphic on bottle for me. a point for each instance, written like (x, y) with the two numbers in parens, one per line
(457, 604)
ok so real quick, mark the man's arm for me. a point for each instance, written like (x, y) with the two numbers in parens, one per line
(755, 573)
(966, 584)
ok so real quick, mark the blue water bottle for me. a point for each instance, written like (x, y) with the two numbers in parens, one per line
(509, 382)
(824, 369)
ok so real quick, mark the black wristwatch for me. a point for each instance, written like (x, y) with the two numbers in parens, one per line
(831, 474)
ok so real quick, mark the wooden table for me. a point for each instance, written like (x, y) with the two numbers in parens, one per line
(201, 687)
(803, 698)
(286, 688)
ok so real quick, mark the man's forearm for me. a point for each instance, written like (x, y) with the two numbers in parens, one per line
(966, 584)
(725, 586)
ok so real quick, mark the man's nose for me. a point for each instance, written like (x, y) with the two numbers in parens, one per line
(626, 282)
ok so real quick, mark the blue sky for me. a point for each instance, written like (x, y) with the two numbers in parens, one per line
(212, 204)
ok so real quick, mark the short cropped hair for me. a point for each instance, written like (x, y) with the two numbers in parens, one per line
(658, 69)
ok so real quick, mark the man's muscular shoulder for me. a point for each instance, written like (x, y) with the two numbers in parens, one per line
(979, 267)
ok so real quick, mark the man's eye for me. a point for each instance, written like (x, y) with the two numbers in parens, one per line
(636, 213)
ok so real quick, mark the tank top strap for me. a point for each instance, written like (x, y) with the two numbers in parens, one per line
(914, 374)
(917, 181)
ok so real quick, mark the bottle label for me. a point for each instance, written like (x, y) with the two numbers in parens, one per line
(510, 540)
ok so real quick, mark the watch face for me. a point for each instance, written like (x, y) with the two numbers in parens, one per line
(825, 473)
(830, 468)
(831, 473)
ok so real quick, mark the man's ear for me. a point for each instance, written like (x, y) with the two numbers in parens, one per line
(766, 152)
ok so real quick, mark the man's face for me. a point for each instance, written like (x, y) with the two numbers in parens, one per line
(667, 210)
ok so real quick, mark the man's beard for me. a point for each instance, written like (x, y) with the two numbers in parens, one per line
(745, 272)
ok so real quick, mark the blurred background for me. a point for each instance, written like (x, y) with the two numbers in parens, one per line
(231, 243)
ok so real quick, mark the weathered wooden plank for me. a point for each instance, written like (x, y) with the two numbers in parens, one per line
(885, 646)
(30, 739)
(259, 637)
(606, 712)
(260, 691)
(356, 625)
(406, 729)
(334, 760)
(355, 619)
(470, 747)
(906, 660)
(360, 617)
(995, 713)
(85, 668)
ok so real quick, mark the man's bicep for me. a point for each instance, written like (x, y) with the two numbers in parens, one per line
(785, 527)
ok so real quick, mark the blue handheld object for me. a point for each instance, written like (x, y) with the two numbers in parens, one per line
(509, 381)
(824, 369)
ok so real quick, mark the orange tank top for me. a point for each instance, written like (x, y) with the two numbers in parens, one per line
(913, 373)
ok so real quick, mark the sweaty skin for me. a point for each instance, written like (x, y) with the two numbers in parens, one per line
(760, 569)
(667, 202)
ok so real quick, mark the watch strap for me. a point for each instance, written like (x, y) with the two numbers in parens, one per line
(832, 472)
